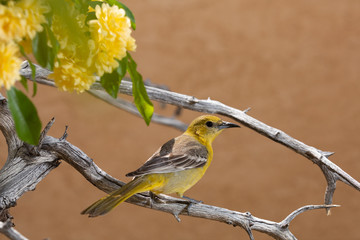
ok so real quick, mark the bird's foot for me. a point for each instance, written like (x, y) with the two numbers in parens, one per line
(155, 198)
(191, 200)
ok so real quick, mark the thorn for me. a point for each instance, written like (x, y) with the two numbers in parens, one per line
(325, 153)
(64, 136)
(247, 110)
(43, 135)
(328, 210)
(193, 100)
(176, 215)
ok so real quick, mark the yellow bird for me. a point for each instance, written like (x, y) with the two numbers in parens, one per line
(173, 168)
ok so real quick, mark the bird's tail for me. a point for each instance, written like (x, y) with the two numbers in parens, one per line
(105, 204)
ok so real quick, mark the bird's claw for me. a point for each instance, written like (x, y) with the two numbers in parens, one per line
(155, 198)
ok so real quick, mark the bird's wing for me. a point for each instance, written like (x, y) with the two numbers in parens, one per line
(176, 155)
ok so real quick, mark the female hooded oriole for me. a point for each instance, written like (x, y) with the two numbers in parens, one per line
(173, 168)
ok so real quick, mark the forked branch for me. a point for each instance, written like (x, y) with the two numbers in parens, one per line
(36, 165)
(331, 171)
(32, 164)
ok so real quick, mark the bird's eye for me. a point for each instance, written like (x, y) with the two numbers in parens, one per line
(209, 123)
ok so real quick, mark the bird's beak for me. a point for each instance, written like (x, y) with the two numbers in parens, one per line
(224, 125)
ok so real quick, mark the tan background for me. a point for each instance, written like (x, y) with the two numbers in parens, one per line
(296, 63)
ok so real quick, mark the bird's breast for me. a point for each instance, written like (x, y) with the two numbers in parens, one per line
(179, 182)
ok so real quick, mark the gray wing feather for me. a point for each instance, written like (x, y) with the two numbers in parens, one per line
(193, 158)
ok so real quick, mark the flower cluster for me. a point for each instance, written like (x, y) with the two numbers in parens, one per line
(112, 36)
(108, 41)
(9, 64)
(19, 21)
(83, 49)
(70, 75)
(72, 69)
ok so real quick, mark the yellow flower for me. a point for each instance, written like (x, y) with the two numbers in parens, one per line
(11, 23)
(130, 44)
(21, 19)
(111, 32)
(73, 70)
(70, 75)
(10, 64)
(33, 13)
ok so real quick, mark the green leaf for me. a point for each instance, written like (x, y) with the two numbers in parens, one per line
(122, 69)
(33, 70)
(67, 14)
(27, 122)
(141, 99)
(43, 53)
(111, 83)
(90, 16)
(128, 12)
(40, 48)
(52, 51)
(94, 3)
(23, 82)
(34, 88)
(82, 5)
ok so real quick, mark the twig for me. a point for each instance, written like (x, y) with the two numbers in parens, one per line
(286, 222)
(131, 108)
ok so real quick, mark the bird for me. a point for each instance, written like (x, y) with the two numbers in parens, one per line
(174, 168)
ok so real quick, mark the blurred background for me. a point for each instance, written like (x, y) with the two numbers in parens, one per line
(295, 63)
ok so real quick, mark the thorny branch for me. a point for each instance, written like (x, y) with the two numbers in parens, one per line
(331, 171)
(32, 166)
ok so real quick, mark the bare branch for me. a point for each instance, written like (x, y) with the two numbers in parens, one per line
(331, 171)
(131, 108)
(32, 168)
(7, 229)
(8, 128)
(84, 164)
(291, 216)
(41, 77)
(214, 107)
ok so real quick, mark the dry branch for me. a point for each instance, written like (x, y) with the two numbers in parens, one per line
(331, 171)
(131, 108)
(34, 163)
(52, 149)
(8, 230)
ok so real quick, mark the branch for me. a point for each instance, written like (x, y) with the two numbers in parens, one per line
(131, 108)
(331, 171)
(41, 77)
(32, 165)
(55, 149)
(7, 229)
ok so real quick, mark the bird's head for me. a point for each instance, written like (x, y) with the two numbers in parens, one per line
(206, 128)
